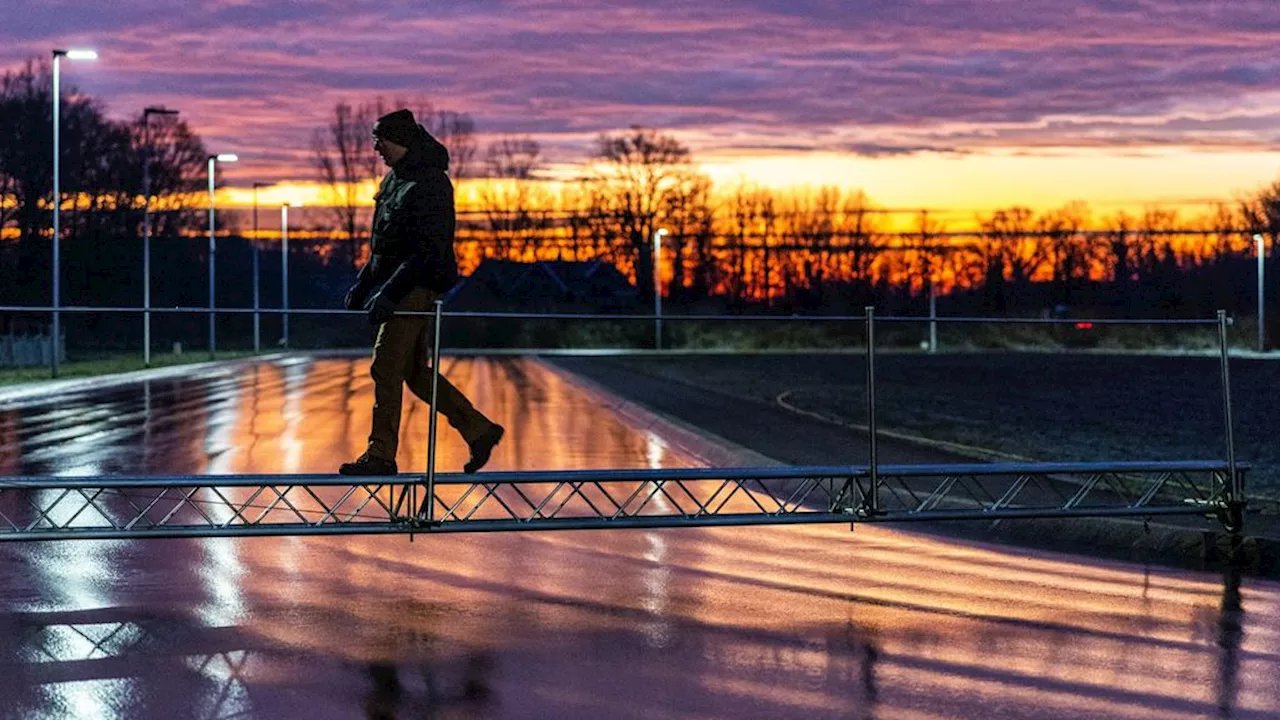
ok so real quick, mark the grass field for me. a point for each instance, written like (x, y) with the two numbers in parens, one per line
(108, 365)
(1039, 406)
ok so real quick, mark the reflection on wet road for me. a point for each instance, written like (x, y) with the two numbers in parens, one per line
(808, 622)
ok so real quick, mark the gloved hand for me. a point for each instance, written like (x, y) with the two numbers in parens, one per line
(356, 297)
(380, 308)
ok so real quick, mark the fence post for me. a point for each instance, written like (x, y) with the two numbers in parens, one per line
(872, 503)
(933, 317)
(431, 423)
(1234, 519)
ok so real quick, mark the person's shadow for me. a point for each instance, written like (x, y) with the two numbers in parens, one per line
(1230, 632)
(470, 690)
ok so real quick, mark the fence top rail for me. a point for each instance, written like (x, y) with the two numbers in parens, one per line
(1047, 321)
(405, 478)
(783, 472)
(628, 316)
(1058, 468)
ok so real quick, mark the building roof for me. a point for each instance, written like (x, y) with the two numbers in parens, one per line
(542, 283)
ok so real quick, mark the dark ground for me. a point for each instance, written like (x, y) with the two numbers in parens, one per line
(1043, 407)
(1036, 406)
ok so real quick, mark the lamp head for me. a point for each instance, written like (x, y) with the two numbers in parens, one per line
(76, 54)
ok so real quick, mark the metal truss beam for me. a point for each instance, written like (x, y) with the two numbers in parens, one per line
(111, 507)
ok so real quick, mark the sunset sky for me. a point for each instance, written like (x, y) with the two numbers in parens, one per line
(948, 104)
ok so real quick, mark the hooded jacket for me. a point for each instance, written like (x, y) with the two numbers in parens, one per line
(413, 225)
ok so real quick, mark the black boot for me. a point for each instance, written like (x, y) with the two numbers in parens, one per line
(368, 464)
(482, 447)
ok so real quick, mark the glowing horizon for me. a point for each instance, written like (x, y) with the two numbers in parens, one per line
(923, 103)
(1190, 181)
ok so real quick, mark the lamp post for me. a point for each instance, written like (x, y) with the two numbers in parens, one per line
(213, 161)
(932, 280)
(284, 273)
(146, 228)
(933, 315)
(657, 287)
(257, 325)
(1262, 296)
(55, 341)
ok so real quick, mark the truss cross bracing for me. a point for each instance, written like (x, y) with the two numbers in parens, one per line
(45, 508)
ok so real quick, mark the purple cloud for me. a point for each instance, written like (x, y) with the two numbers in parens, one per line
(874, 77)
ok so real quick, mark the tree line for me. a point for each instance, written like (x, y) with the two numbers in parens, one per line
(815, 248)
(820, 249)
(102, 199)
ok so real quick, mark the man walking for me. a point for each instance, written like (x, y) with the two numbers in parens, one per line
(412, 265)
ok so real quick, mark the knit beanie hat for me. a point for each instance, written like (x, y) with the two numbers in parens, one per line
(399, 127)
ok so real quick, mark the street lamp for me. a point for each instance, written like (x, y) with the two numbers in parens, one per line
(55, 344)
(146, 227)
(213, 160)
(1262, 318)
(657, 287)
(257, 327)
(284, 273)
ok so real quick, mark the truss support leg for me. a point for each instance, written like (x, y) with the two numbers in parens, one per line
(1233, 514)
(871, 503)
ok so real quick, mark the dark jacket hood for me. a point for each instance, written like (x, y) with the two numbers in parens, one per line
(426, 153)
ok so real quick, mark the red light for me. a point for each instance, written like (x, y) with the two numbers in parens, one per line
(1084, 326)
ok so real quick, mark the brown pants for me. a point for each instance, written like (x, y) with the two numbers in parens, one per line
(402, 354)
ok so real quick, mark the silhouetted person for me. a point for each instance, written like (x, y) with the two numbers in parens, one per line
(412, 265)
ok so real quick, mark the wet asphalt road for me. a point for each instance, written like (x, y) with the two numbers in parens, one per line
(811, 622)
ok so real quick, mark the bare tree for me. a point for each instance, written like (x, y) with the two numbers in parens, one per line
(1011, 253)
(178, 166)
(690, 220)
(1261, 214)
(101, 188)
(575, 203)
(93, 150)
(1229, 233)
(1070, 254)
(925, 261)
(823, 245)
(343, 154)
(854, 228)
(634, 180)
(26, 106)
(1119, 255)
(753, 219)
(512, 157)
(8, 187)
(513, 206)
(1155, 255)
(746, 208)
